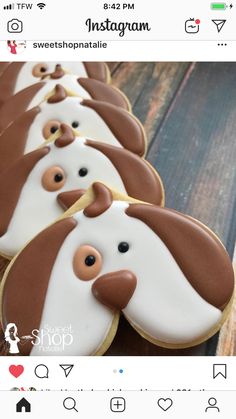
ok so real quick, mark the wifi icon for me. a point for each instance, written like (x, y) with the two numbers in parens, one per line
(41, 5)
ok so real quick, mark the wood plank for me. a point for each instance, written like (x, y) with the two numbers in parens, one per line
(150, 88)
(195, 149)
(113, 66)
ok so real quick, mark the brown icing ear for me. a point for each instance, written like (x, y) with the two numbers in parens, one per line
(59, 94)
(103, 200)
(199, 254)
(12, 182)
(97, 71)
(144, 184)
(3, 66)
(8, 81)
(17, 104)
(66, 138)
(13, 139)
(122, 124)
(27, 281)
(104, 92)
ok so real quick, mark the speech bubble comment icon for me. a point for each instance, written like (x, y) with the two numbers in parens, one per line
(41, 371)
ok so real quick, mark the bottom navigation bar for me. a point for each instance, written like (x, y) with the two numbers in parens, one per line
(128, 404)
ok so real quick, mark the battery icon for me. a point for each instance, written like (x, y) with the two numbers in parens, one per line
(218, 6)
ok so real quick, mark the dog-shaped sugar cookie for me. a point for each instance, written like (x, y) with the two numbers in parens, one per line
(39, 186)
(169, 275)
(84, 87)
(17, 76)
(98, 120)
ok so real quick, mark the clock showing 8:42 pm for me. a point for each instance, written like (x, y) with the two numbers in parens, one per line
(119, 6)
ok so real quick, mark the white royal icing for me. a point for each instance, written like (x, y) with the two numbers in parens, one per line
(164, 304)
(26, 78)
(37, 208)
(70, 303)
(67, 111)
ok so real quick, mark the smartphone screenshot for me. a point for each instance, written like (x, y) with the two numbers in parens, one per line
(117, 209)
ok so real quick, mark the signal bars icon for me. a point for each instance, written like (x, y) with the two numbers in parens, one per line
(9, 6)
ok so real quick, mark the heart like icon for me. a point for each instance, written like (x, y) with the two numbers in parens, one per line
(165, 404)
(16, 370)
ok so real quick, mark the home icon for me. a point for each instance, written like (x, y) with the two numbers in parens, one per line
(23, 406)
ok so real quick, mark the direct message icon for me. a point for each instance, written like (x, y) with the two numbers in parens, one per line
(219, 370)
(67, 368)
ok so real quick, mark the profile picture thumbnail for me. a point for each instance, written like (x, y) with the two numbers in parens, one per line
(16, 47)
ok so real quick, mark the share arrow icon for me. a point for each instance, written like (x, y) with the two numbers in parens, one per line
(219, 23)
(67, 368)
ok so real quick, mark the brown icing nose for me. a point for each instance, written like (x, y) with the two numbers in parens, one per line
(66, 199)
(67, 136)
(115, 289)
(58, 73)
(59, 95)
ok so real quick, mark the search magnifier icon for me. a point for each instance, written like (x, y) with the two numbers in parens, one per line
(70, 404)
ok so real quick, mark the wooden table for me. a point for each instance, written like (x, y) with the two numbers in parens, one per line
(189, 113)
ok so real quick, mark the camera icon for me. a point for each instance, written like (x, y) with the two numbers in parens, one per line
(15, 26)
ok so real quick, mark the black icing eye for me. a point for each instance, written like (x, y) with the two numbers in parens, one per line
(90, 260)
(83, 172)
(43, 69)
(75, 124)
(123, 247)
(53, 129)
(58, 177)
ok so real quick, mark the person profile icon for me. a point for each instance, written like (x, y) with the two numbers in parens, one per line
(212, 402)
(11, 337)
